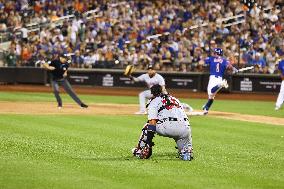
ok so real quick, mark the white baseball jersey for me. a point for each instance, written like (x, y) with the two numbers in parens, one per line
(159, 110)
(172, 120)
(150, 81)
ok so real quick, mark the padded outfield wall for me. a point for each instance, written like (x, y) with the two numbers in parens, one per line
(242, 82)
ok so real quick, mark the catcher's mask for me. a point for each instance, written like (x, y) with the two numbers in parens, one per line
(156, 90)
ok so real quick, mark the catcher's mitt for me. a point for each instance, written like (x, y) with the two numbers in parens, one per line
(129, 70)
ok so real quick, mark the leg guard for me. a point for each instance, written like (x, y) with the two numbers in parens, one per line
(144, 146)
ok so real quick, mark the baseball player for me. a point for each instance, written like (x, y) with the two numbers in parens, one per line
(167, 118)
(150, 78)
(217, 65)
(58, 73)
(280, 97)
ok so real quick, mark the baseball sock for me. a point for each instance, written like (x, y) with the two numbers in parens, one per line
(209, 103)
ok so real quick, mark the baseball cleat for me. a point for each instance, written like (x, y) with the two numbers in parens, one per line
(84, 105)
(277, 108)
(186, 156)
(225, 84)
(59, 107)
(205, 110)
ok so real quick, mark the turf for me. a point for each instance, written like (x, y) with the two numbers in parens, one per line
(94, 152)
(245, 107)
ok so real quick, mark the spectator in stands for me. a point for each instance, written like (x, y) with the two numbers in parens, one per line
(127, 24)
(11, 57)
(26, 55)
(259, 63)
(271, 58)
(77, 60)
(132, 57)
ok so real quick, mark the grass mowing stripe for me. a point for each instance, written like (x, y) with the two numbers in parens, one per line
(94, 151)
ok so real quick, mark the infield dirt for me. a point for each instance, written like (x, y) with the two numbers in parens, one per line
(49, 108)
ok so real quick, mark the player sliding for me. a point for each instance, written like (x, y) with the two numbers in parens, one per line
(217, 66)
(167, 118)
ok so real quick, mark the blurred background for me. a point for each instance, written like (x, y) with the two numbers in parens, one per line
(174, 35)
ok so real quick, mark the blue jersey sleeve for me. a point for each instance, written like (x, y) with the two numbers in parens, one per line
(281, 66)
(207, 60)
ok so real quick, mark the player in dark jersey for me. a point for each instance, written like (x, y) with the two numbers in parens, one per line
(58, 73)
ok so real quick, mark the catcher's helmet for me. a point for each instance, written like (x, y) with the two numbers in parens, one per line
(218, 51)
(156, 90)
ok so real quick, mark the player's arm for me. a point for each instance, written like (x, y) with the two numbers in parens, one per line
(47, 66)
(278, 66)
(164, 90)
(65, 74)
(204, 62)
(152, 120)
(163, 84)
(137, 79)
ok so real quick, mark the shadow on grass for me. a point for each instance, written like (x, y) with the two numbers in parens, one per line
(154, 157)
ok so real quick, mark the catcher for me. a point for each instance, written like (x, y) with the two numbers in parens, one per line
(150, 78)
(167, 118)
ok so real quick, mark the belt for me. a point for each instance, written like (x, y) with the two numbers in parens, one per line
(171, 119)
(217, 76)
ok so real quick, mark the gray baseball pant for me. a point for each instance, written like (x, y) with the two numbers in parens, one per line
(67, 87)
(179, 130)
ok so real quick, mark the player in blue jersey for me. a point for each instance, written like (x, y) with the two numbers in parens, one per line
(280, 97)
(217, 65)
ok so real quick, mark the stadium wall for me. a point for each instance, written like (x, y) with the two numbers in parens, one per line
(244, 82)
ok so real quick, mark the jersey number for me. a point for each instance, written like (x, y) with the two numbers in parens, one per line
(217, 67)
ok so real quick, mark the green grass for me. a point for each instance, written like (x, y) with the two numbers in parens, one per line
(244, 107)
(94, 152)
(84, 151)
(264, 108)
(49, 97)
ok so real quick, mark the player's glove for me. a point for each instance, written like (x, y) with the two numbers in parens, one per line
(146, 152)
(128, 70)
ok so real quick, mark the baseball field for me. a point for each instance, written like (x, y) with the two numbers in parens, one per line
(240, 144)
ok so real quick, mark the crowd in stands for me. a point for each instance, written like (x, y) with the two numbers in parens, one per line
(116, 35)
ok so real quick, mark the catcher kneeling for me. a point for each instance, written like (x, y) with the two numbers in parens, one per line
(167, 118)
